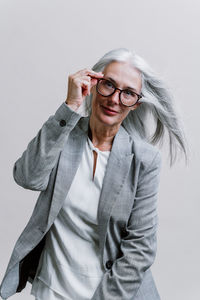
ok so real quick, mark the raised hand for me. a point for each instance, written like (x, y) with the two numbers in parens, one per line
(80, 85)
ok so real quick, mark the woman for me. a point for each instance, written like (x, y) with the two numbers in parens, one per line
(92, 234)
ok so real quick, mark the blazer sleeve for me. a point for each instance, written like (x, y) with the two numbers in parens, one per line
(139, 246)
(33, 168)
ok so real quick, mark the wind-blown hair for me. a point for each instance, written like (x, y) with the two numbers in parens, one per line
(157, 102)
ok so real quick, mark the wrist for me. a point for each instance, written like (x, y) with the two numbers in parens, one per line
(73, 106)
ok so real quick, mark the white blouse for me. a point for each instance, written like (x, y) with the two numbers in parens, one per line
(70, 266)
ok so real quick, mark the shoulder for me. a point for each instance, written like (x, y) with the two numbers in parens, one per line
(145, 153)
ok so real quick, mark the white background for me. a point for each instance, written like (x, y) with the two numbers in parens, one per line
(41, 43)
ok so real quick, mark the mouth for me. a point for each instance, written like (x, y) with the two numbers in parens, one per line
(109, 111)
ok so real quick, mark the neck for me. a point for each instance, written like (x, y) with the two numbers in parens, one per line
(102, 136)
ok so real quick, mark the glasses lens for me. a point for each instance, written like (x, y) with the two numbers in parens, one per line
(105, 87)
(129, 98)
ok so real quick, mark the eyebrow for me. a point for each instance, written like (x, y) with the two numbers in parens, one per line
(128, 87)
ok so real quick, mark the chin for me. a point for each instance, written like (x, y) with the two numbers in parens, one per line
(109, 121)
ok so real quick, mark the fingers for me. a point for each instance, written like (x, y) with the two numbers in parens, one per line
(88, 82)
(79, 86)
(93, 82)
(84, 82)
(86, 86)
(91, 73)
(86, 79)
(92, 77)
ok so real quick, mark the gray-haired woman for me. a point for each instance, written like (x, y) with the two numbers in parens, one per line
(92, 234)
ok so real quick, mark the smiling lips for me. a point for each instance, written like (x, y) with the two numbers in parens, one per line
(109, 111)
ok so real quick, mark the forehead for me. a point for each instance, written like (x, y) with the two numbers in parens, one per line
(124, 74)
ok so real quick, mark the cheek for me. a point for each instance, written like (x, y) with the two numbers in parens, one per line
(125, 113)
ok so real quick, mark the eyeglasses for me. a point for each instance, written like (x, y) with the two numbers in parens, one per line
(127, 97)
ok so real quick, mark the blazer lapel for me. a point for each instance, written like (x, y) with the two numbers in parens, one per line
(68, 164)
(117, 169)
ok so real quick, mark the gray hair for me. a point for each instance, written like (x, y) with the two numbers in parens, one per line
(157, 102)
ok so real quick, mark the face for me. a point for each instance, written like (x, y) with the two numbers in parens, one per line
(109, 110)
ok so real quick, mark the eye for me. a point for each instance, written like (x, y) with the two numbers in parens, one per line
(109, 84)
(129, 93)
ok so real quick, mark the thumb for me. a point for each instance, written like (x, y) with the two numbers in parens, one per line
(93, 82)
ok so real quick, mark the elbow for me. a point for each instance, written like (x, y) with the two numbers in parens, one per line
(34, 184)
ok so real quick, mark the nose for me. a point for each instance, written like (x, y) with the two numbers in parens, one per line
(115, 97)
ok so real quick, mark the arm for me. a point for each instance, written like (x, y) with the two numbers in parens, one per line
(139, 246)
(33, 168)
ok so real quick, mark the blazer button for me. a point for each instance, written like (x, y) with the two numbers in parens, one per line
(109, 264)
(62, 123)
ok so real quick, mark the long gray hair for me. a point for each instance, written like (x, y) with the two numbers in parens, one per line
(157, 102)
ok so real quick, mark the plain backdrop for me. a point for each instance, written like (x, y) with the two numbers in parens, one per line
(41, 43)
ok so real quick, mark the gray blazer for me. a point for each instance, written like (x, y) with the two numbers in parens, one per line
(127, 212)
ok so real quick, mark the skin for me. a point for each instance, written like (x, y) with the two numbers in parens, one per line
(107, 112)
